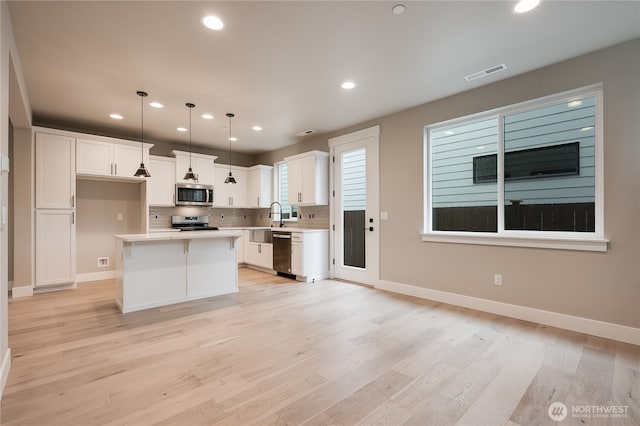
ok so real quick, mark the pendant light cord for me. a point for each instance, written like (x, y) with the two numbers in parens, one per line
(230, 116)
(142, 129)
(190, 131)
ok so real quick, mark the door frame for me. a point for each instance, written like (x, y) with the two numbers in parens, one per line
(371, 132)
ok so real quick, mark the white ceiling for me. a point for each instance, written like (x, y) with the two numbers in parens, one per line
(280, 64)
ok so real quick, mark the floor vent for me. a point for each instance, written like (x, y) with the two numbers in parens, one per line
(485, 72)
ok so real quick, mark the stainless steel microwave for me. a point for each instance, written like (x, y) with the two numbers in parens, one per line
(193, 194)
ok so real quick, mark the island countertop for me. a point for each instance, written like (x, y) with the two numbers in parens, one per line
(183, 235)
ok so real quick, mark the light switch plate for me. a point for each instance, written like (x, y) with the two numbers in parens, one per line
(4, 164)
(384, 215)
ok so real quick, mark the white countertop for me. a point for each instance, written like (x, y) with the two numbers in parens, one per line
(183, 235)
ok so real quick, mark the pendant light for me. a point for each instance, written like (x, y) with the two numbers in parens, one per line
(189, 175)
(142, 170)
(230, 178)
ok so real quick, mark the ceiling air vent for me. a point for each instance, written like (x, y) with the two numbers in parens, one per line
(305, 133)
(485, 72)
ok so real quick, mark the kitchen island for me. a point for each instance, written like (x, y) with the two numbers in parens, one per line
(163, 268)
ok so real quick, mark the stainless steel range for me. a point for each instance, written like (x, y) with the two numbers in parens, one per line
(192, 223)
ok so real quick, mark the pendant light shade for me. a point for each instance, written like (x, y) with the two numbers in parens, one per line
(230, 178)
(142, 170)
(190, 175)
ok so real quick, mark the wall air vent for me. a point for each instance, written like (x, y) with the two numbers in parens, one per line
(305, 133)
(485, 72)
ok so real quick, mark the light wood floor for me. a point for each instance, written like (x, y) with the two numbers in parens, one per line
(282, 352)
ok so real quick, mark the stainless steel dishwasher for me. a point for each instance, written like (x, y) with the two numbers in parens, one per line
(282, 252)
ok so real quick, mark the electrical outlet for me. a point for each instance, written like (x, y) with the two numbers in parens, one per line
(103, 262)
(497, 279)
(120, 216)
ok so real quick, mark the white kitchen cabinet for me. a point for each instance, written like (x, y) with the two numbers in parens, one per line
(259, 186)
(297, 267)
(259, 254)
(161, 185)
(201, 164)
(55, 177)
(55, 232)
(104, 158)
(55, 247)
(230, 194)
(310, 255)
(308, 178)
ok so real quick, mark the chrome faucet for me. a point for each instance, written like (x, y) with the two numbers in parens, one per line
(271, 212)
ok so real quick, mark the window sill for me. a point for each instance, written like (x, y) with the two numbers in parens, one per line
(579, 244)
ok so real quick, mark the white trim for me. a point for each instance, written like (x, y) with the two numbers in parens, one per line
(52, 288)
(600, 245)
(590, 241)
(4, 370)
(95, 276)
(607, 330)
(21, 291)
(355, 136)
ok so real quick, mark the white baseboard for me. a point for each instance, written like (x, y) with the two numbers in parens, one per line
(22, 291)
(607, 330)
(4, 372)
(95, 276)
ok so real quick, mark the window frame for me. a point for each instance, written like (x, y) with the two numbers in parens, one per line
(588, 241)
(277, 192)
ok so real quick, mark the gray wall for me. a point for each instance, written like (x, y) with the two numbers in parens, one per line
(600, 286)
(98, 205)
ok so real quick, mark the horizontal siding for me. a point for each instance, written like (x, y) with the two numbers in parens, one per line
(548, 126)
(452, 150)
(354, 182)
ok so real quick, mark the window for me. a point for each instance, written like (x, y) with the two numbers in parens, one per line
(531, 171)
(281, 192)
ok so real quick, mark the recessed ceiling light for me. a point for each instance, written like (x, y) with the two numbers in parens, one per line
(156, 105)
(232, 139)
(181, 129)
(348, 85)
(257, 128)
(524, 6)
(116, 116)
(398, 9)
(574, 104)
(213, 22)
(207, 116)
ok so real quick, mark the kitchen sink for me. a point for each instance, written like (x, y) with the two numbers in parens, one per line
(261, 236)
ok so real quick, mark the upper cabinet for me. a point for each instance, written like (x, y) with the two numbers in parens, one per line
(201, 164)
(308, 178)
(230, 194)
(101, 158)
(259, 186)
(55, 178)
(162, 183)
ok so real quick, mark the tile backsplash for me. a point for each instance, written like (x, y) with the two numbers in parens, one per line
(315, 217)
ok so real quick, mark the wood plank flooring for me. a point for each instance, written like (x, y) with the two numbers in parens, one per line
(281, 352)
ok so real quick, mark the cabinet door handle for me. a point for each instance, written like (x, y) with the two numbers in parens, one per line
(116, 167)
(258, 201)
(111, 169)
(73, 201)
(73, 218)
(259, 248)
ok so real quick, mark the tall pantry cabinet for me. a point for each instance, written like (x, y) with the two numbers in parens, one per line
(55, 202)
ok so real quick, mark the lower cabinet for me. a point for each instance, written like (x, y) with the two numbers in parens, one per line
(310, 255)
(259, 254)
(55, 247)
